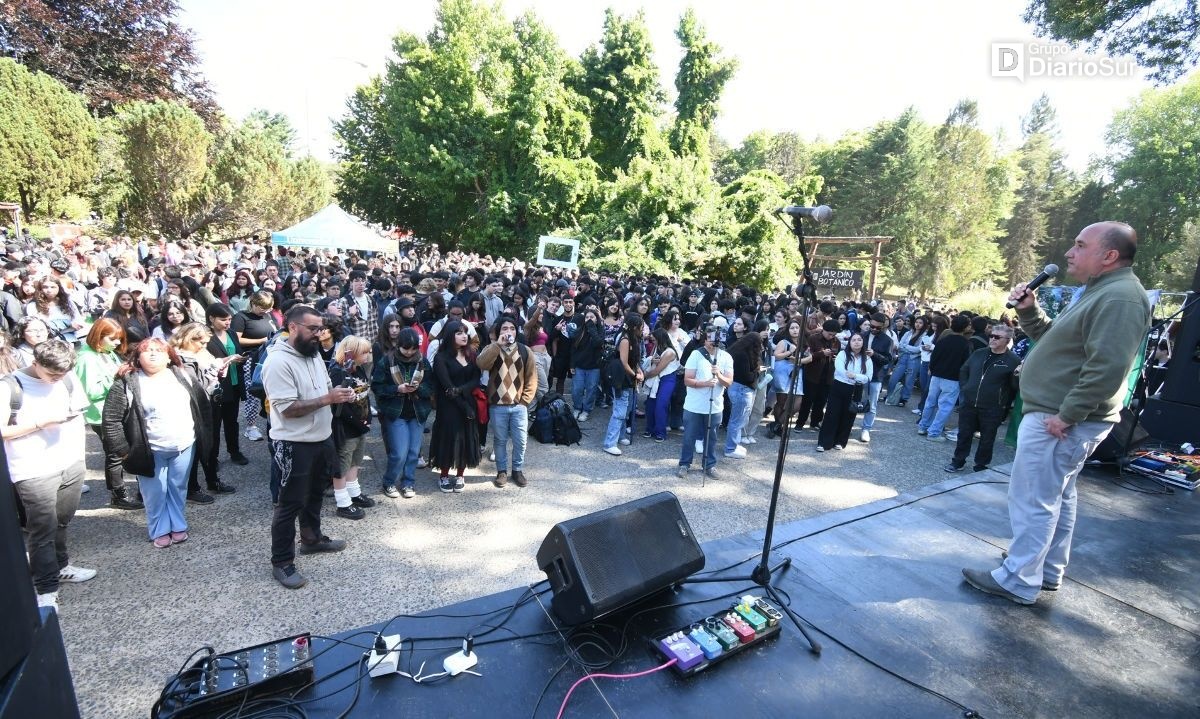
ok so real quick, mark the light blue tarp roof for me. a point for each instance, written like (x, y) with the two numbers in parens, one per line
(333, 228)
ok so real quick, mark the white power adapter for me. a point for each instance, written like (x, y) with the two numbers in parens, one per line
(456, 664)
(385, 657)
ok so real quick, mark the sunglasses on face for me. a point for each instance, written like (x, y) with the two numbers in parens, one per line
(998, 337)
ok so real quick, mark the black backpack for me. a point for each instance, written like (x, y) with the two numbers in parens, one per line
(553, 422)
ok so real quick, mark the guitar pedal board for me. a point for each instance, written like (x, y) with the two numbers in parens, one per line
(219, 681)
(711, 640)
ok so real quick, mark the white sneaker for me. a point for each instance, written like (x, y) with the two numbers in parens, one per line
(583, 416)
(917, 411)
(253, 434)
(865, 436)
(421, 463)
(614, 451)
(49, 599)
(738, 452)
(492, 457)
(75, 575)
(85, 489)
(577, 414)
(624, 442)
(700, 445)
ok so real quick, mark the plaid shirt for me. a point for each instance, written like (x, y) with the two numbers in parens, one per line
(364, 324)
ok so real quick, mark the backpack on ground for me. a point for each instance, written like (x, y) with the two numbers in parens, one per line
(553, 422)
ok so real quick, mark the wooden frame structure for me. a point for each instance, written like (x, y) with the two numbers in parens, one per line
(815, 243)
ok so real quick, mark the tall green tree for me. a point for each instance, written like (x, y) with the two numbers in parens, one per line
(880, 185)
(783, 153)
(111, 52)
(475, 137)
(47, 138)
(1154, 163)
(972, 195)
(165, 153)
(1163, 35)
(763, 251)
(699, 81)
(620, 80)
(1045, 197)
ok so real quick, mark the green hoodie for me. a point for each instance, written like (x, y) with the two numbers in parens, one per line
(1082, 358)
(95, 371)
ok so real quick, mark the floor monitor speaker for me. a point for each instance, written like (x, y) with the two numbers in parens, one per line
(603, 561)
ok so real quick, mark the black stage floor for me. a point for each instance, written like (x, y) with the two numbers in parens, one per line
(882, 585)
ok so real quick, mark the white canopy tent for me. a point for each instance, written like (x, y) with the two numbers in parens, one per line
(333, 228)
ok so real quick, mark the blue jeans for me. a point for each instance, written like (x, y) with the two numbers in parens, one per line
(164, 494)
(693, 431)
(924, 383)
(939, 403)
(741, 401)
(402, 440)
(509, 422)
(906, 370)
(583, 389)
(872, 399)
(658, 408)
(620, 424)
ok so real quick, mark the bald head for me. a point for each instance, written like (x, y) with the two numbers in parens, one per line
(1120, 237)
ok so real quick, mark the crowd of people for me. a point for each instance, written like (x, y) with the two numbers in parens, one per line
(165, 347)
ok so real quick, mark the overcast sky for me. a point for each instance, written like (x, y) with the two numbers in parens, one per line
(816, 68)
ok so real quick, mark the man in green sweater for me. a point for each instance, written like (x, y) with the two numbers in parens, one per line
(1072, 390)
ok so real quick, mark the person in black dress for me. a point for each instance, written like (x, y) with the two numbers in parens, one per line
(455, 441)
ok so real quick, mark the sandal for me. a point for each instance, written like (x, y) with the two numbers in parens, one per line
(162, 542)
(179, 537)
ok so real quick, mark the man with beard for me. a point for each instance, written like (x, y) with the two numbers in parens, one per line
(300, 393)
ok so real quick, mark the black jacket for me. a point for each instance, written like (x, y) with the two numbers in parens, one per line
(949, 353)
(124, 422)
(885, 351)
(229, 392)
(987, 379)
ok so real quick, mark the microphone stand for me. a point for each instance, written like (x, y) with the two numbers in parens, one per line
(762, 574)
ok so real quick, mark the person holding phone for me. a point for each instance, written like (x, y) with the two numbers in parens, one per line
(351, 424)
(44, 442)
(402, 382)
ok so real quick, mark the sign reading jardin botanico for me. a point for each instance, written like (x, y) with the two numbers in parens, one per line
(833, 277)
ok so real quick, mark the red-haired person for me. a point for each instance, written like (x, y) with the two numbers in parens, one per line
(96, 366)
(156, 417)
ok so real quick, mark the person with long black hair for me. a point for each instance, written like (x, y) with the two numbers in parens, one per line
(454, 442)
(403, 384)
(852, 371)
(629, 352)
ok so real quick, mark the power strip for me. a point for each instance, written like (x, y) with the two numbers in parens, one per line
(220, 681)
(711, 640)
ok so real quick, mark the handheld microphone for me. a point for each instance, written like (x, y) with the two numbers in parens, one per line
(1049, 271)
(818, 214)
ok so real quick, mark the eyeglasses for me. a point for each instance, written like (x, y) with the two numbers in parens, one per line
(998, 337)
(313, 328)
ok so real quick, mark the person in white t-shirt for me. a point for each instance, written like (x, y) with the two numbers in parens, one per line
(707, 373)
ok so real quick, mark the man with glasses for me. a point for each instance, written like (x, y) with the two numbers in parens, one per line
(877, 345)
(44, 442)
(988, 380)
(300, 393)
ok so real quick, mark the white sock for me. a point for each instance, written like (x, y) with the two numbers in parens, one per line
(353, 488)
(342, 497)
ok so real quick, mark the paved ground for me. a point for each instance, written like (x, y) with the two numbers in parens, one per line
(128, 629)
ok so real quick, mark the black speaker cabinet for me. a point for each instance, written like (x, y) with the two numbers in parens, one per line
(40, 685)
(603, 561)
(18, 606)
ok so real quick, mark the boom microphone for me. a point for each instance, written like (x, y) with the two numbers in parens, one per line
(818, 214)
(1047, 272)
